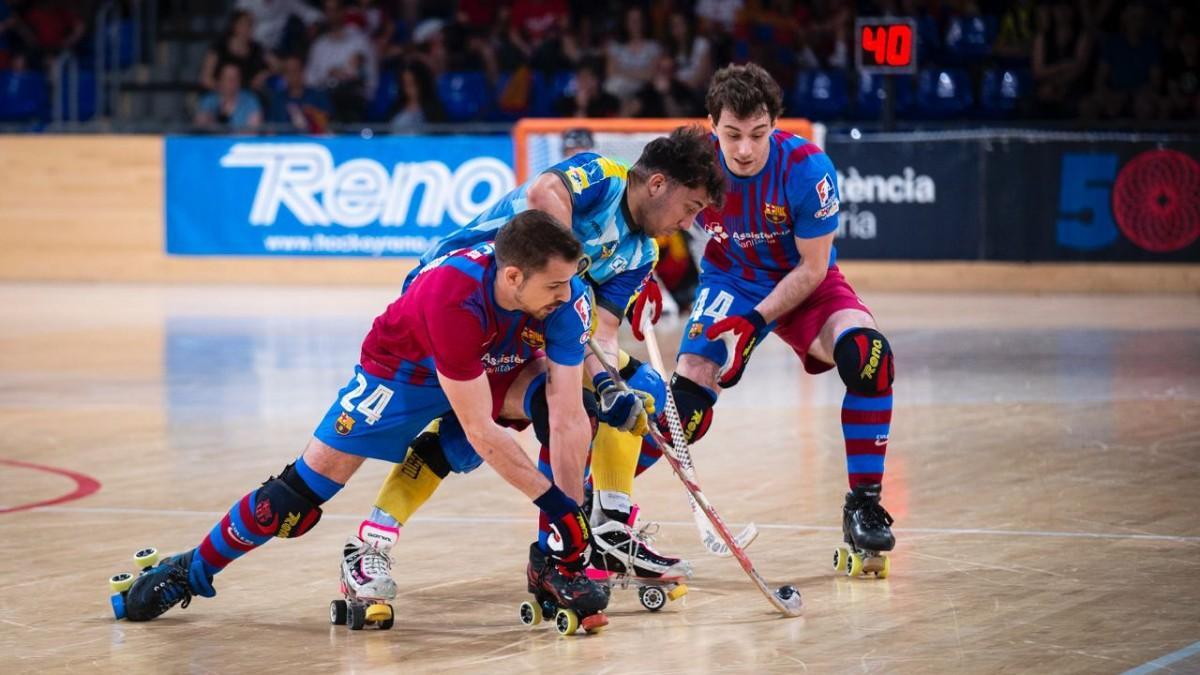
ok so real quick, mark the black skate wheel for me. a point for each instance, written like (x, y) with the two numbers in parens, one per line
(387, 623)
(358, 616)
(338, 612)
(530, 615)
(652, 598)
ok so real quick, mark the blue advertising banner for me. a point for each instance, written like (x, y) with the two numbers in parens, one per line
(386, 196)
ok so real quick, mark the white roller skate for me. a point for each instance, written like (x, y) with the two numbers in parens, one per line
(366, 580)
(623, 556)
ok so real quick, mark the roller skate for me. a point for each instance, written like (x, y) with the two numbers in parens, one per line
(366, 581)
(159, 586)
(622, 556)
(866, 529)
(563, 594)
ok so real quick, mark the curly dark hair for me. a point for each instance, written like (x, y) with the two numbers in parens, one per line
(532, 238)
(687, 157)
(745, 91)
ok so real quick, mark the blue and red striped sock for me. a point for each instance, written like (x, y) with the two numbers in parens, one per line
(238, 532)
(866, 423)
(543, 521)
(651, 453)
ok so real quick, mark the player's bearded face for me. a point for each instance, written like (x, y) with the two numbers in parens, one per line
(546, 290)
(671, 208)
(745, 143)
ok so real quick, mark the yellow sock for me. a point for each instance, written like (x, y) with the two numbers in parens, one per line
(614, 459)
(407, 487)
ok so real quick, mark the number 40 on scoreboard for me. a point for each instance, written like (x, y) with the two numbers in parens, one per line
(885, 45)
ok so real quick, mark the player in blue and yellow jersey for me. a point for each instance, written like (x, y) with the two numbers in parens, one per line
(462, 326)
(615, 212)
(770, 266)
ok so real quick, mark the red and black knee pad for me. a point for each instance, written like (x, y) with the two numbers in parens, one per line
(695, 405)
(864, 361)
(285, 507)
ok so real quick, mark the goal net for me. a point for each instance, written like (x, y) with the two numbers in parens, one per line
(538, 143)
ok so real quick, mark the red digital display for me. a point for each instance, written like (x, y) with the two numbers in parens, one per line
(886, 45)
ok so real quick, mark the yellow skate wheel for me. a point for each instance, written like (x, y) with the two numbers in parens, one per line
(854, 567)
(378, 613)
(387, 623)
(839, 559)
(566, 621)
(886, 569)
(678, 592)
(147, 557)
(119, 583)
(530, 615)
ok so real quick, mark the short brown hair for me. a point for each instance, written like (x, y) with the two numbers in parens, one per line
(686, 157)
(531, 239)
(744, 91)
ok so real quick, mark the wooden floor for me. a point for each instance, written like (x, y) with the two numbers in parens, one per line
(1044, 473)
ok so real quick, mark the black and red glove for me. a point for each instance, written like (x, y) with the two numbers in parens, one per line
(570, 535)
(741, 334)
(647, 305)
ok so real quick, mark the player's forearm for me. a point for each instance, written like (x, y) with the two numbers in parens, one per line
(505, 455)
(791, 291)
(569, 441)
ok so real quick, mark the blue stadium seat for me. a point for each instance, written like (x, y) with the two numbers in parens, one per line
(547, 89)
(820, 94)
(465, 95)
(969, 38)
(24, 96)
(1001, 91)
(943, 93)
(385, 94)
(85, 85)
(929, 40)
(868, 100)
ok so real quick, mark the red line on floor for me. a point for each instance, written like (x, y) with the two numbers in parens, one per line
(84, 485)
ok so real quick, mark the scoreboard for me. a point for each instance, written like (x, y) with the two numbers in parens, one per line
(886, 46)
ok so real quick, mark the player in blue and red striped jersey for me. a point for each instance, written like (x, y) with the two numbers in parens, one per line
(456, 341)
(771, 266)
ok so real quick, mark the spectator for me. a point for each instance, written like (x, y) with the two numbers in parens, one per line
(664, 95)
(280, 25)
(418, 103)
(1129, 65)
(297, 105)
(588, 99)
(633, 57)
(429, 40)
(1062, 50)
(536, 28)
(48, 28)
(718, 15)
(342, 63)
(237, 46)
(692, 52)
(229, 108)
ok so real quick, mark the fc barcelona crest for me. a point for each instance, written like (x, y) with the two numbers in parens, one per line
(774, 213)
(344, 424)
(695, 330)
(533, 338)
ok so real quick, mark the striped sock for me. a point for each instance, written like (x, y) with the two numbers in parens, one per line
(543, 521)
(650, 455)
(866, 423)
(238, 532)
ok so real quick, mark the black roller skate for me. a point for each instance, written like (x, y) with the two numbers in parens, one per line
(158, 587)
(563, 593)
(866, 528)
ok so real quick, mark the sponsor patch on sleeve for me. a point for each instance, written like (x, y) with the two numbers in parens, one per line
(825, 190)
(826, 211)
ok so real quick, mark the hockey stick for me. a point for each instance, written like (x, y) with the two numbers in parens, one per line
(712, 543)
(786, 599)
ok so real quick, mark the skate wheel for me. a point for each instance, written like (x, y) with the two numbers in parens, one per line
(358, 616)
(883, 572)
(678, 592)
(119, 583)
(854, 566)
(652, 597)
(594, 622)
(839, 559)
(387, 623)
(338, 612)
(378, 613)
(118, 605)
(530, 615)
(566, 621)
(147, 557)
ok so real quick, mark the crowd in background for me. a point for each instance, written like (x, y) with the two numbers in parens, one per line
(305, 64)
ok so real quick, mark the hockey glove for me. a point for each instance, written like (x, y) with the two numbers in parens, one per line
(741, 334)
(570, 535)
(623, 410)
(647, 305)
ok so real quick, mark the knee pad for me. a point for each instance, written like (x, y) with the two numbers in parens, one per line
(539, 411)
(427, 451)
(285, 507)
(864, 361)
(695, 404)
